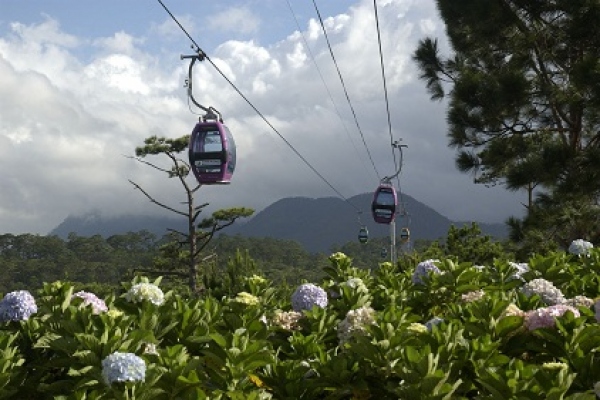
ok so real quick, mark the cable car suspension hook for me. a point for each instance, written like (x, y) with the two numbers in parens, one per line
(395, 145)
(211, 112)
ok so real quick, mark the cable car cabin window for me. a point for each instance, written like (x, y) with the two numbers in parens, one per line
(231, 153)
(385, 198)
(212, 142)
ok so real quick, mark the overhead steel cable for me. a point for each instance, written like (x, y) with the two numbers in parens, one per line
(325, 83)
(344, 86)
(205, 56)
(385, 91)
(387, 106)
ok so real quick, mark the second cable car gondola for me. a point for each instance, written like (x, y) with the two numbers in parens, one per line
(363, 235)
(384, 204)
(404, 235)
(212, 152)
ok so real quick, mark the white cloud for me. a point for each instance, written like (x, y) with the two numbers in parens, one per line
(235, 19)
(67, 121)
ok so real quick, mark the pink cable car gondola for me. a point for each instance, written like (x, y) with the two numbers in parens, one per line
(384, 204)
(212, 152)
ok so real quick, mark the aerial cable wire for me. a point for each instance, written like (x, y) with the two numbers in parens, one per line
(387, 107)
(205, 56)
(345, 91)
(325, 83)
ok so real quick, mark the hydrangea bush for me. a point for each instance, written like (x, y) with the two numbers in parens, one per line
(433, 330)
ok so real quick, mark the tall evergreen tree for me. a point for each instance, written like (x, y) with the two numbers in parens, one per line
(185, 251)
(523, 85)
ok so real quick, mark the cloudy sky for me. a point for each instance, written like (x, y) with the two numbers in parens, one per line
(83, 83)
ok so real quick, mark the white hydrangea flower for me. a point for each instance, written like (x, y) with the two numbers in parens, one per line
(246, 298)
(145, 292)
(307, 296)
(123, 367)
(357, 284)
(339, 256)
(550, 294)
(597, 389)
(521, 269)
(554, 366)
(416, 327)
(472, 296)
(580, 247)
(288, 320)
(580, 301)
(355, 323)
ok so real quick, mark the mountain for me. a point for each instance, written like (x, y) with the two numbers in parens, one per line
(318, 224)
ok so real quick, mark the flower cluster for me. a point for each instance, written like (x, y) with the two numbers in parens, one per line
(549, 293)
(435, 321)
(288, 320)
(521, 268)
(90, 299)
(545, 317)
(246, 298)
(580, 301)
(145, 292)
(597, 309)
(357, 284)
(355, 323)
(123, 367)
(472, 296)
(580, 247)
(416, 327)
(422, 271)
(554, 366)
(256, 279)
(17, 306)
(149, 348)
(307, 296)
(339, 256)
(512, 311)
(113, 313)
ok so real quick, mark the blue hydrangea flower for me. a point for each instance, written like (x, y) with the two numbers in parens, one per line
(90, 299)
(17, 306)
(435, 321)
(422, 271)
(123, 367)
(580, 247)
(145, 292)
(307, 296)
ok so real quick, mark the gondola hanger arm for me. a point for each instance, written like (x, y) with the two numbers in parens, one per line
(211, 112)
(396, 145)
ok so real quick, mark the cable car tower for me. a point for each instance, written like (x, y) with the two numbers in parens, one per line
(384, 206)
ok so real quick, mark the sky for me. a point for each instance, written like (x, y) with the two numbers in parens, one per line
(83, 83)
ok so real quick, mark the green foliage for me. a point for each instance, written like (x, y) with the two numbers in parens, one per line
(239, 345)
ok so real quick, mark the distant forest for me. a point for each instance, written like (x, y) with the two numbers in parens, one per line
(27, 261)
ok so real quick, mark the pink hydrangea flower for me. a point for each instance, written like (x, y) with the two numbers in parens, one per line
(545, 317)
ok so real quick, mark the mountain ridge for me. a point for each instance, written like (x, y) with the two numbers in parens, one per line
(316, 223)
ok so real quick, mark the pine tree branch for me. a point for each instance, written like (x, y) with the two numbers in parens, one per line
(152, 200)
